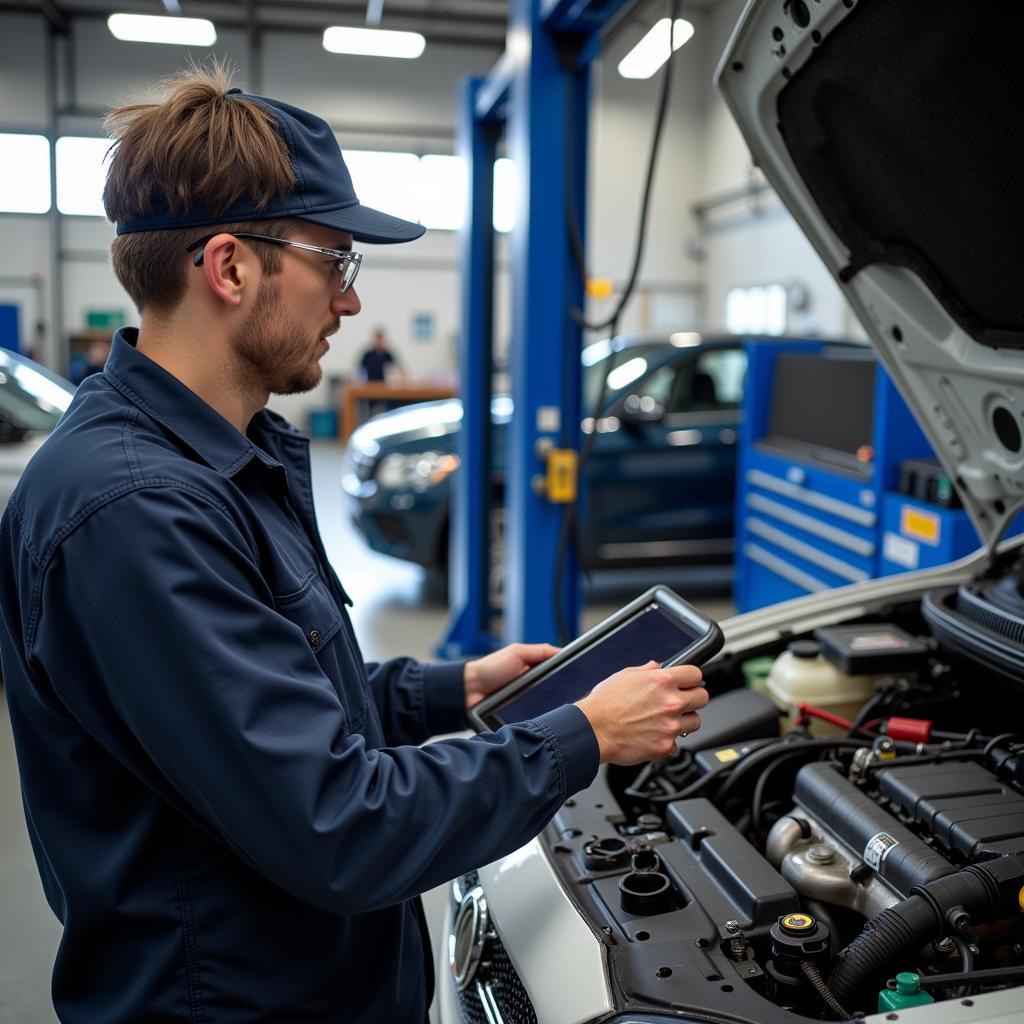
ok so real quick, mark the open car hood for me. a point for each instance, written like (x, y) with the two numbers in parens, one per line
(893, 133)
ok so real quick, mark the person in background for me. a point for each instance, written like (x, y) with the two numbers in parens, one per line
(377, 358)
(93, 361)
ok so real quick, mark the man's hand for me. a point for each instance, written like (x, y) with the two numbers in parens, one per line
(490, 673)
(637, 713)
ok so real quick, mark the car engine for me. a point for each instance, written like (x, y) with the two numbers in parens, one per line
(793, 860)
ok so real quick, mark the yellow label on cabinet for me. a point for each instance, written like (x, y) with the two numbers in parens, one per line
(920, 525)
(729, 754)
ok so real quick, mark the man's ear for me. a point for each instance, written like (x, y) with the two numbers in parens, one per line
(227, 268)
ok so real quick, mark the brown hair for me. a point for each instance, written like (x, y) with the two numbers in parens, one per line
(198, 145)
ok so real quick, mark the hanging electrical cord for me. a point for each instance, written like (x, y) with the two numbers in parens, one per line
(570, 528)
(641, 238)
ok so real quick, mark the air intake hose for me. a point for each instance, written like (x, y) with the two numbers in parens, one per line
(977, 893)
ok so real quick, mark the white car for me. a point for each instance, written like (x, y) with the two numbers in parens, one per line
(32, 400)
(877, 870)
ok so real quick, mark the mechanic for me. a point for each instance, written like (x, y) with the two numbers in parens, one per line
(377, 358)
(230, 810)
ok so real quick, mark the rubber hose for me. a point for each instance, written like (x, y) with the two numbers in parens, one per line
(906, 927)
(886, 939)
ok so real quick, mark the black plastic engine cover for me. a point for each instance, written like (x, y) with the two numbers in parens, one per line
(738, 882)
(963, 805)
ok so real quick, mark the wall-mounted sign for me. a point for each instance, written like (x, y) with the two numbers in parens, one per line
(105, 319)
(423, 326)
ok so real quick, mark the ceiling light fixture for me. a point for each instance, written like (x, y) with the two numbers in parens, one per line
(652, 51)
(158, 28)
(373, 42)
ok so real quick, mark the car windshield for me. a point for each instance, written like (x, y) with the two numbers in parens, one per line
(624, 367)
(30, 396)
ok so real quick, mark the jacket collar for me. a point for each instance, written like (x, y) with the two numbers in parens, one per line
(181, 411)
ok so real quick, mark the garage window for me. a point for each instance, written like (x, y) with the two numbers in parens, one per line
(386, 181)
(24, 174)
(756, 310)
(81, 174)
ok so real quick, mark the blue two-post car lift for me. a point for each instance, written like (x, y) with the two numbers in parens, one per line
(538, 92)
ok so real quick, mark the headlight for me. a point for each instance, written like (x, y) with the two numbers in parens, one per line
(416, 471)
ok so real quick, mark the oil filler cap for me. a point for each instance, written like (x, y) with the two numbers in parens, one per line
(797, 924)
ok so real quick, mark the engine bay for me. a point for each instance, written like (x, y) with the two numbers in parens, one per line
(861, 854)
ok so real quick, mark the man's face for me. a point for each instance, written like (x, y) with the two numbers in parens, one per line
(285, 335)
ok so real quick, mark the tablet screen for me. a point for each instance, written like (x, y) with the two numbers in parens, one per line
(649, 636)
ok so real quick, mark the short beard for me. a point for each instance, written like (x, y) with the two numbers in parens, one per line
(268, 350)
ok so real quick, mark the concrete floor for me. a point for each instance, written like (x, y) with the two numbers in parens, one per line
(395, 612)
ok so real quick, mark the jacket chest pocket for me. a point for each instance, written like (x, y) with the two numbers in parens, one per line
(314, 610)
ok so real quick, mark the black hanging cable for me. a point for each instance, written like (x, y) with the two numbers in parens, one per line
(570, 527)
(573, 227)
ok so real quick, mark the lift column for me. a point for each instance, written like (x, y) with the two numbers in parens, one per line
(469, 627)
(547, 81)
(539, 89)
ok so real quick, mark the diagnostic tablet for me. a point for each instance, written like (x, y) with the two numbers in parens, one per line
(658, 626)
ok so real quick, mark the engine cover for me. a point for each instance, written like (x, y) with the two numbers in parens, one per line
(970, 814)
(871, 832)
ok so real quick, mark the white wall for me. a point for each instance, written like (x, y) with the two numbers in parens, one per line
(372, 104)
(22, 57)
(622, 124)
(109, 72)
(377, 104)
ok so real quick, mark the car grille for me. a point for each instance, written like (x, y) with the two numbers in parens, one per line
(495, 980)
(507, 990)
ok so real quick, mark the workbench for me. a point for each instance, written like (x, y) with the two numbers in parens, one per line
(382, 391)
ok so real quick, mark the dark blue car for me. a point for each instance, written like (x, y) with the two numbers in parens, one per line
(660, 482)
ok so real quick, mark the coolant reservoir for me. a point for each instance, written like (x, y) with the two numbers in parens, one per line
(801, 675)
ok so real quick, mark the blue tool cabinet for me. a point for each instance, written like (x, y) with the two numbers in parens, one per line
(919, 535)
(804, 525)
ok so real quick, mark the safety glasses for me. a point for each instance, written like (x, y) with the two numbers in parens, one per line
(346, 262)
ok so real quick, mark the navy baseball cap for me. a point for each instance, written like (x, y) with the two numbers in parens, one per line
(323, 192)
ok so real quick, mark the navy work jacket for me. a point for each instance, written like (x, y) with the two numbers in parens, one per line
(229, 809)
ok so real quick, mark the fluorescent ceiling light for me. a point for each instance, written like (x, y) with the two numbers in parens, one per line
(157, 28)
(373, 42)
(652, 51)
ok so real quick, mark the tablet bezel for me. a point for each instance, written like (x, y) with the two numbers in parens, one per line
(481, 718)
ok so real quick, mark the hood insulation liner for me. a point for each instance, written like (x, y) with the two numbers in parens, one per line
(889, 123)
